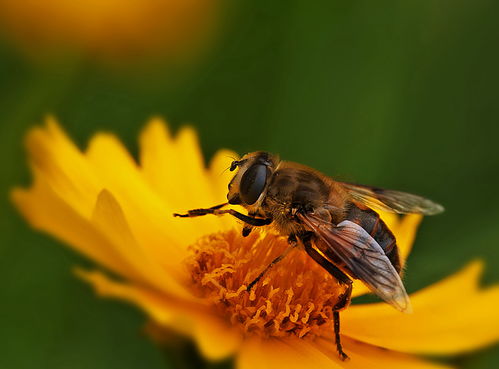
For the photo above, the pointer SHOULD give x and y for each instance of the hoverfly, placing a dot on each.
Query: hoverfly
(335, 222)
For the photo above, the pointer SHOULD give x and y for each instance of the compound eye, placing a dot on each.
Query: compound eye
(253, 183)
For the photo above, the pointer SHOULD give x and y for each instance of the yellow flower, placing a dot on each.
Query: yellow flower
(112, 29)
(190, 275)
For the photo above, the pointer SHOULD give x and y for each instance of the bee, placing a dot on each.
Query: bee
(335, 222)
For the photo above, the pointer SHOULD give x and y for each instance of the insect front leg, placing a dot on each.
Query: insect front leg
(216, 210)
(342, 278)
(200, 212)
(248, 227)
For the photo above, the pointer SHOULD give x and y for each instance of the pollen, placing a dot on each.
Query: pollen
(295, 297)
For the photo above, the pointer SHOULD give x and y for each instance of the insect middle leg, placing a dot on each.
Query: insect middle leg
(293, 242)
(342, 279)
(216, 210)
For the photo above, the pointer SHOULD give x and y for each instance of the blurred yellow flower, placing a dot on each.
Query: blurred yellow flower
(113, 29)
(190, 276)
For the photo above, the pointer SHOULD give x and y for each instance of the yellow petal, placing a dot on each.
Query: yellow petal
(109, 218)
(452, 316)
(64, 196)
(215, 338)
(219, 178)
(159, 162)
(152, 222)
(282, 353)
(63, 167)
(190, 158)
(219, 174)
(294, 353)
(405, 233)
(359, 288)
(391, 219)
(47, 212)
(363, 356)
(174, 168)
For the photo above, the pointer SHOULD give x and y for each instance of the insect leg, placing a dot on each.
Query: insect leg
(336, 322)
(247, 230)
(215, 210)
(332, 269)
(200, 212)
(293, 242)
(247, 227)
(342, 278)
(325, 263)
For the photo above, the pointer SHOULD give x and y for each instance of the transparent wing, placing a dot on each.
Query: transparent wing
(392, 201)
(363, 257)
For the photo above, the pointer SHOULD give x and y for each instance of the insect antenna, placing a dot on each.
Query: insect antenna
(230, 166)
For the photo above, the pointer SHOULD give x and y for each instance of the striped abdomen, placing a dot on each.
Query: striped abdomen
(372, 223)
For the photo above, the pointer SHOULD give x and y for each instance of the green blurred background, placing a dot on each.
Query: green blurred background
(402, 95)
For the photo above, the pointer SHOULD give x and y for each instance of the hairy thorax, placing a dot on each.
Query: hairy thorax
(294, 189)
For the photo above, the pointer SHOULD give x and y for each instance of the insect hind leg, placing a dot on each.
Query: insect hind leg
(344, 298)
(342, 278)
(337, 337)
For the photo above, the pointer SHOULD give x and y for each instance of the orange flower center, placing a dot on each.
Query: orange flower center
(294, 298)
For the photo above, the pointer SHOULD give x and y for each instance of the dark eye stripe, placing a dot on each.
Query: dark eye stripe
(253, 183)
